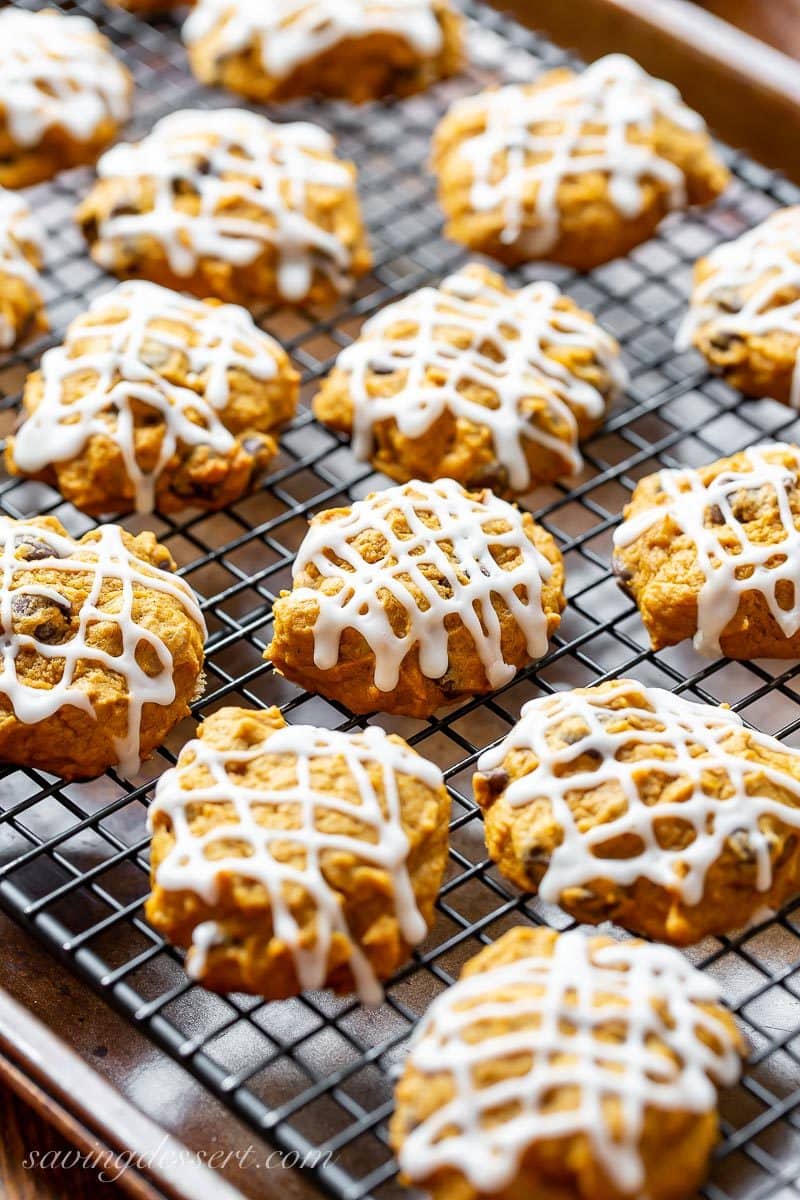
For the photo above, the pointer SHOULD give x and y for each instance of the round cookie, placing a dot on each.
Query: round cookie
(227, 204)
(476, 382)
(744, 315)
(563, 1067)
(625, 803)
(103, 647)
(155, 401)
(21, 252)
(291, 858)
(359, 50)
(577, 169)
(63, 94)
(712, 553)
(417, 597)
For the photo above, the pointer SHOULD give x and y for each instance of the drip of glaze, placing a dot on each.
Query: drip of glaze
(767, 256)
(291, 32)
(521, 370)
(17, 230)
(698, 736)
(110, 562)
(556, 128)
(729, 573)
(227, 338)
(225, 156)
(57, 72)
(189, 866)
(567, 1002)
(471, 577)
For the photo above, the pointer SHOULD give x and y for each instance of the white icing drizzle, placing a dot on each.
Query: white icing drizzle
(57, 72)
(650, 992)
(768, 256)
(558, 126)
(698, 737)
(748, 566)
(523, 373)
(230, 155)
(226, 338)
(188, 866)
(290, 32)
(106, 560)
(17, 230)
(472, 578)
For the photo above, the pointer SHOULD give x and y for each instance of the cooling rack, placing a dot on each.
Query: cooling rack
(314, 1075)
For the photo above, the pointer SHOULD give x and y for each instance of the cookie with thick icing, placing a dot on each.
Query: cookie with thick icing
(474, 381)
(155, 400)
(225, 203)
(289, 858)
(358, 50)
(21, 253)
(575, 168)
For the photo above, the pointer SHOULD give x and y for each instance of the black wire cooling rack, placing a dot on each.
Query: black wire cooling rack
(315, 1074)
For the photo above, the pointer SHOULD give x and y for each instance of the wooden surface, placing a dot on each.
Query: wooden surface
(774, 21)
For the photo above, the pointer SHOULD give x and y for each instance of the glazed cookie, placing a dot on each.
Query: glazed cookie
(474, 381)
(63, 94)
(417, 597)
(21, 251)
(712, 554)
(359, 50)
(744, 316)
(563, 1067)
(290, 858)
(630, 804)
(155, 401)
(102, 647)
(225, 203)
(577, 169)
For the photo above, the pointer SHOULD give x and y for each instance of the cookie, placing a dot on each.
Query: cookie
(63, 94)
(711, 554)
(417, 597)
(103, 647)
(358, 51)
(744, 315)
(290, 858)
(155, 401)
(21, 253)
(476, 382)
(577, 169)
(625, 803)
(227, 204)
(561, 1067)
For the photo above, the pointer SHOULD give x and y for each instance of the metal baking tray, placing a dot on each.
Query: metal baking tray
(315, 1075)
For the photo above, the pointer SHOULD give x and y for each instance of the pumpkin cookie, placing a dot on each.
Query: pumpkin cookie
(227, 204)
(476, 382)
(155, 401)
(563, 1067)
(359, 51)
(577, 169)
(630, 804)
(290, 858)
(21, 251)
(417, 597)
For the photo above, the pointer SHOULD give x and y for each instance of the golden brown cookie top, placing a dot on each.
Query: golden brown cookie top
(143, 347)
(58, 72)
(642, 784)
(288, 33)
(401, 564)
(739, 518)
(279, 805)
(21, 250)
(484, 352)
(549, 1036)
(65, 603)
(223, 185)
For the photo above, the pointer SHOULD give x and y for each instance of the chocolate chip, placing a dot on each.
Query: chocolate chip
(715, 515)
(535, 856)
(124, 210)
(496, 781)
(728, 300)
(182, 187)
(740, 844)
(623, 575)
(724, 341)
(32, 549)
(41, 617)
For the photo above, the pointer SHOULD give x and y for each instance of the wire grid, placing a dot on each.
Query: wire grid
(315, 1074)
